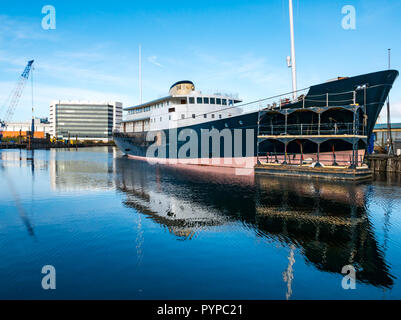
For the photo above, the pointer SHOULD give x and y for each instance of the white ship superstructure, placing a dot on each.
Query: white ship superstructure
(181, 108)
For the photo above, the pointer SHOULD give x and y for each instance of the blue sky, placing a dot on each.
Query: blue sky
(230, 46)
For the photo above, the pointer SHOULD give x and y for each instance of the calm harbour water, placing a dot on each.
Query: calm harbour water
(116, 228)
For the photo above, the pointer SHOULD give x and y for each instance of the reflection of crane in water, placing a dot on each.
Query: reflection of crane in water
(21, 210)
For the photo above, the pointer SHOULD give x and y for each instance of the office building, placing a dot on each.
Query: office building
(85, 120)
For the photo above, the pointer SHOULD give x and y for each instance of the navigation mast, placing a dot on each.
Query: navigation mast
(291, 61)
(390, 150)
(140, 74)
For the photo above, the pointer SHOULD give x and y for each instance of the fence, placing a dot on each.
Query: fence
(312, 129)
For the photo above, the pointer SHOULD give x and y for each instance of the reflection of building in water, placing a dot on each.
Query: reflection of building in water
(72, 170)
(325, 222)
(23, 158)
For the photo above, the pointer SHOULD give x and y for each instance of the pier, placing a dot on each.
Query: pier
(45, 144)
(384, 163)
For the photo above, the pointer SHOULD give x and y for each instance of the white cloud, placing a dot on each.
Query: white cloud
(395, 112)
(153, 60)
(19, 29)
(252, 76)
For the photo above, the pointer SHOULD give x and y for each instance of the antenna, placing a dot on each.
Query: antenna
(293, 63)
(140, 74)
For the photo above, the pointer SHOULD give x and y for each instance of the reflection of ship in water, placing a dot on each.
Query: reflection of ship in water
(326, 222)
(165, 203)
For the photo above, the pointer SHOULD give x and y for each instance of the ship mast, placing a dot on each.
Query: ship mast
(293, 62)
(140, 74)
(390, 150)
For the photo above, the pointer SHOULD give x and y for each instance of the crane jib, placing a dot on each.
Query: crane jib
(15, 96)
(28, 67)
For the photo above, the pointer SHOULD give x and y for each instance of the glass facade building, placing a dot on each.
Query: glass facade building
(85, 120)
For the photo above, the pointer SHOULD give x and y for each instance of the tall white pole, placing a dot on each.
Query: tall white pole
(389, 133)
(140, 74)
(293, 63)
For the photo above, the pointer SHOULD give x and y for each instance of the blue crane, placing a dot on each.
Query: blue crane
(13, 100)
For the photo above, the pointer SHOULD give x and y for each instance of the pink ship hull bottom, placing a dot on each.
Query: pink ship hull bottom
(245, 165)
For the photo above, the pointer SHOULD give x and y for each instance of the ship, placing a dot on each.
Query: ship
(326, 124)
(189, 127)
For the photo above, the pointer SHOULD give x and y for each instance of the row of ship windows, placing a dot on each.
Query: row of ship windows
(206, 100)
(205, 116)
(191, 100)
(148, 108)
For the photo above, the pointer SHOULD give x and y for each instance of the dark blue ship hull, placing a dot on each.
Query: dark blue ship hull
(369, 90)
(136, 144)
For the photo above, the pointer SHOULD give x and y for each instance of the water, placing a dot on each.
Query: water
(116, 228)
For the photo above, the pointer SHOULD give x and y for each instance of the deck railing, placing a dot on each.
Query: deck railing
(311, 129)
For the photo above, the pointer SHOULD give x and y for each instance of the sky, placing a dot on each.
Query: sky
(238, 47)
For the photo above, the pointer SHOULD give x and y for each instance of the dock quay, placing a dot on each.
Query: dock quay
(12, 146)
(49, 145)
(384, 163)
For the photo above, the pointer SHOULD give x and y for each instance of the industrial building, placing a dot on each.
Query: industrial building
(85, 120)
(381, 132)
(21, 129)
